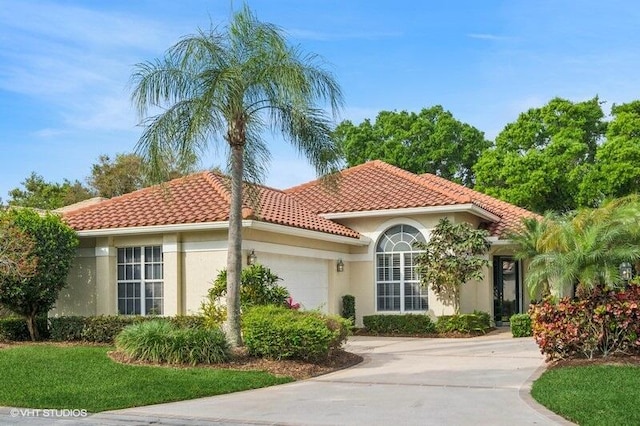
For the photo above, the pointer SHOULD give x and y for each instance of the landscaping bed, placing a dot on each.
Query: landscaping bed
(295, 369)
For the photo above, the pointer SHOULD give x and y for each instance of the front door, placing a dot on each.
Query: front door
(506, 288)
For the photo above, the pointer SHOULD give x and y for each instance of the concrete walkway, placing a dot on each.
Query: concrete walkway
(403, 381)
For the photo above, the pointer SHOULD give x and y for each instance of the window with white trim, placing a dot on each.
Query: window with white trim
(397, 286)
(140, 285)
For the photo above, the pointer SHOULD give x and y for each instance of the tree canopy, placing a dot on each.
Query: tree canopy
(615, 172)
(51, 252)
(431, 141)
(232, 84)
(39, 194)
(539, 161)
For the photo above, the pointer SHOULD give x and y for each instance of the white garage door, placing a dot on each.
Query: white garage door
(306, 279)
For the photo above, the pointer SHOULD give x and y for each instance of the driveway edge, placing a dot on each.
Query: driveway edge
(525, 395)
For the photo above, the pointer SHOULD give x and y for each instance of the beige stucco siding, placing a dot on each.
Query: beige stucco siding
(79, 296)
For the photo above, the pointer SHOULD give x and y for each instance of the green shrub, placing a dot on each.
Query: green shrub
(520, 325)
(604, 323)
(164, 342)
(15, 328)
(463, 323)
(484, 318)
(188, 321)
(67, 328)
(105, 328)
(349, 307)
(399, 324)
(258, 287)
(280, 333)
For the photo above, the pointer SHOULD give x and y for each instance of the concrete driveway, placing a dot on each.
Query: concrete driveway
(402, 381)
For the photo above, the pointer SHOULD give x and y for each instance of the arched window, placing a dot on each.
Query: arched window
(397, 285)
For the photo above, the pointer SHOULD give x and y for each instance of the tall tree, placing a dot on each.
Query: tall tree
(110, 178)
(53, 251)
(232, 85)
(615, 172)
(128, 172)
(539, 160)
(39, 194)
(431, 141)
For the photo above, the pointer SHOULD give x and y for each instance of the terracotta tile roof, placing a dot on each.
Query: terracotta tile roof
(198, 198)
(511, 215)
(374, 185)
(377, 185)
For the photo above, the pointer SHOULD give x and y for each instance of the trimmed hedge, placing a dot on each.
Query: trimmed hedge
(15, 328)
(280, 333)
(165, 342)
(67, 328)
(477, 322)
(520, 325)
(399, 324)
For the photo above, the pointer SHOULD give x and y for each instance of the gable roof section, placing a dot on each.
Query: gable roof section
(198, 198)
(511, 215)
(376, 185)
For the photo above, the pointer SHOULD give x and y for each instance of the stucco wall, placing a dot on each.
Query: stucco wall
(308, 267)
(79, 296)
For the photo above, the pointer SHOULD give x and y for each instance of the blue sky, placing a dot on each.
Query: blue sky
(65, 66)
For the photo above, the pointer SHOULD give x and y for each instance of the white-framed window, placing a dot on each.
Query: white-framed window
(397, 286)
(139, 280)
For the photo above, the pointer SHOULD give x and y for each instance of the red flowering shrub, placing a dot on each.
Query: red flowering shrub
(601, 324)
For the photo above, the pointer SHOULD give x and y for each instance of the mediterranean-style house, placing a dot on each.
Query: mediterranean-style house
(157, 250)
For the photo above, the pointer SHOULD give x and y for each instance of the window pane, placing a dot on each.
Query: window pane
(136, 254)
(136, 307)
(121, 307)
(120, 255)
(148, 254)
(157, 272)
(158, 289)
(128, 272)
(136, 272)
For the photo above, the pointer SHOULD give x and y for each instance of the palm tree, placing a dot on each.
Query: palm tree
(233, 85)
(584, 247)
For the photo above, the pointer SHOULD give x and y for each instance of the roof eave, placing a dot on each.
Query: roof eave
(452, 208)
(222, 225)
(306, 233)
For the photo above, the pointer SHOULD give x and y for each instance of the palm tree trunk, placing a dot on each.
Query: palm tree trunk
(234, 251)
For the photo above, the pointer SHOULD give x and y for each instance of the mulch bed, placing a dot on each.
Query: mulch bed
(298, 370)
(633, 360)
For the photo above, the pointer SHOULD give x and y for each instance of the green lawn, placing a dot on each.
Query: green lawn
(592, 395)
(83, 377)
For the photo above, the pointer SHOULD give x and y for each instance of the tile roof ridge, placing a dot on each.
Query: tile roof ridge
(340, 173)
(218, 182)
(415, 178)
(482, 197)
